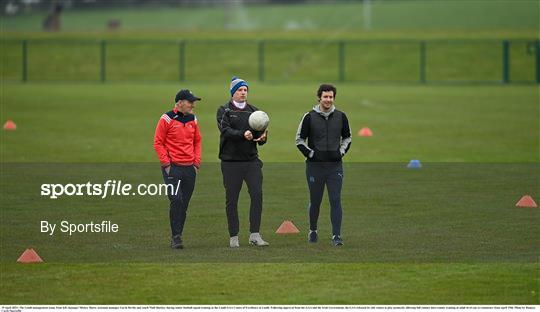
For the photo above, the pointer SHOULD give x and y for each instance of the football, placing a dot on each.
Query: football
(258, 120)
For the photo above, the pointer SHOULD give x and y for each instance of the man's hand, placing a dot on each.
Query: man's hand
(167, 169)
(262, 137)
(248, 135)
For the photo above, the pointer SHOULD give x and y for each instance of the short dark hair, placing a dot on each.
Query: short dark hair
(325, 88)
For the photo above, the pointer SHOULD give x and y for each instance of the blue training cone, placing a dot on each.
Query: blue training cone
(415, 164)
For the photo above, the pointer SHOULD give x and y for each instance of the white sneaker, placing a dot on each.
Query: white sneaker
(233, 242)
(255, 239)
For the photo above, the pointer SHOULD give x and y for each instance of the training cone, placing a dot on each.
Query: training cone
(287, 227)
(414, 164)
(29, 256)
(365, 132)
(526, 202)
(10, 125)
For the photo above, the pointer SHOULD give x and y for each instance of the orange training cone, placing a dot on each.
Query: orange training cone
(365, 132)
(10, 125)
(526, 202)
(287, 227)
(29, 256)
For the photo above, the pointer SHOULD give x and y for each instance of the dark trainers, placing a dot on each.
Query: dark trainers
(312, 236)
(337, 241)
(176, 242)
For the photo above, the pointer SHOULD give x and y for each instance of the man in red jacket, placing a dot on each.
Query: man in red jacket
(178, 145)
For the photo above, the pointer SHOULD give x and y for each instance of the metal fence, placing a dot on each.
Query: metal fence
(385, 61)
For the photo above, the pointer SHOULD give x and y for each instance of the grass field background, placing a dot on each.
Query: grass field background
(455, 218)
(446, 213)
(448, 233)
(433, 124)
(359, 283)
(291, 60)
(499, 15)
(74, 54)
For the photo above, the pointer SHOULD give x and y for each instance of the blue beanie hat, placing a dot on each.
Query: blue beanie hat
(237, 83)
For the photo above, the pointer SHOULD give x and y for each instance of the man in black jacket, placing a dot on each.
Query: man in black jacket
(240, 161)
(323, 137)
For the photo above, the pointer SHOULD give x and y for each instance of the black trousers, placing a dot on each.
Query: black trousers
(318, 175)
(234, 174)
(185, 175)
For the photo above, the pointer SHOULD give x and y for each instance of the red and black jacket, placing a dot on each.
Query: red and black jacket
(177, 139)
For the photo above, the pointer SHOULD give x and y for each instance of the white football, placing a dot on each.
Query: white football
(258, 120)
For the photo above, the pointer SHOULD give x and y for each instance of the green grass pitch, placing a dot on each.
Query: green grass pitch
(448, 233)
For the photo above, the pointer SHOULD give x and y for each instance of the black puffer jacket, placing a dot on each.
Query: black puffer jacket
(232, 124)
(328, 135)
